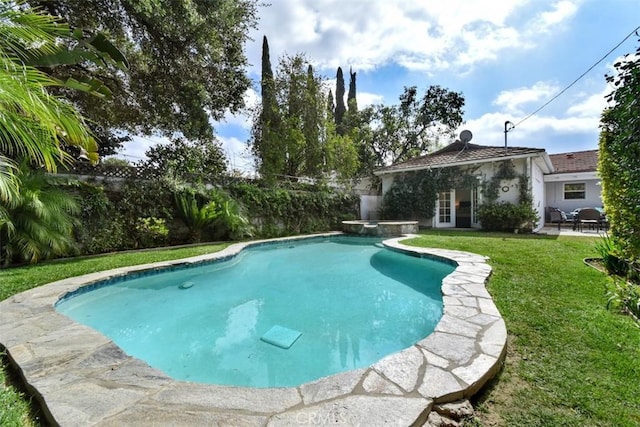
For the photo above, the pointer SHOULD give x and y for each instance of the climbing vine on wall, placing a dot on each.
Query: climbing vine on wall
(505, 216)
(413, 194)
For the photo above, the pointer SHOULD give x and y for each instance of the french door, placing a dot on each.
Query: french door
(446, 209)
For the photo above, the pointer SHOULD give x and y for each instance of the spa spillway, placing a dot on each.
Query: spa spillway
(380, 228)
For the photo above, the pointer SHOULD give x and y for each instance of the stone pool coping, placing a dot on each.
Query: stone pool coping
(82, 378)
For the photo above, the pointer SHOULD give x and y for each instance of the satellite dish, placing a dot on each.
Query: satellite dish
(466, 136)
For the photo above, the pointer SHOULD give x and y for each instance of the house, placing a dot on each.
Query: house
(574, 182)
(560, 180)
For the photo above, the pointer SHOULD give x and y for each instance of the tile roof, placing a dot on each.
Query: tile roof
(456, 153)
(579, 161)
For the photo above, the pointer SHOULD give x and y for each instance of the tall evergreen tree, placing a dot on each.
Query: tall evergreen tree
(340, 107)
(266, 128)
(311, 125)
(352, 105)
(331, 106)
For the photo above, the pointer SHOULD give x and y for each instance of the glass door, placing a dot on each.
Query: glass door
(446, 214)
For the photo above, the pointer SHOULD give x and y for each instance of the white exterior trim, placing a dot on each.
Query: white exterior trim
(573, 176)
(544, 156)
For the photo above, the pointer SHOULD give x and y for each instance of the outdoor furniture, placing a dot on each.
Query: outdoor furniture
(590, 217)
(556, 215)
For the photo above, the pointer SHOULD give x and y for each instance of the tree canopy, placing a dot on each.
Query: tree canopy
(35, 126)
(186, 160)
(186, 64)
(399, 132)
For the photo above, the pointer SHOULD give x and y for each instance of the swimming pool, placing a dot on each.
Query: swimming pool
(348, 302)
(80, 377)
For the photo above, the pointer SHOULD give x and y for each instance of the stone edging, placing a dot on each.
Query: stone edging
(82, 378)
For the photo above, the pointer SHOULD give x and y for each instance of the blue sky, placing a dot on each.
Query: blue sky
(507, 58)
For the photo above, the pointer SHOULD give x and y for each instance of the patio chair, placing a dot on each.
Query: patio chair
(556, 215)
(591, 217)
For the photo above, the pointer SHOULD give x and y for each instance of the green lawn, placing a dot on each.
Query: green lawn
(15, 408)
(570, 361)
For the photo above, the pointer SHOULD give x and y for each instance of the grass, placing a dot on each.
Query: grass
(570, 361)
(16, 408)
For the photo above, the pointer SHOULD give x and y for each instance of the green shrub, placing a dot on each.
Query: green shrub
(623, 294)
(612, 257)
(505, 216)
(619, 155)
(232, 222)
(151, 232)
(38, 222)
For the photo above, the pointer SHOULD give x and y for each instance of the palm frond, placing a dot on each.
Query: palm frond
(39, 223)
(8, 180)
(25, 33)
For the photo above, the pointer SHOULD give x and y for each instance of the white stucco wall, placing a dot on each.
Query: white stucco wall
(538, 192)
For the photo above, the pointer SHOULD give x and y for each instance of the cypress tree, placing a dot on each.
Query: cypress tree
(331, 107)
(311, 125)
(340, 108)
(352, 105)
(265, 134)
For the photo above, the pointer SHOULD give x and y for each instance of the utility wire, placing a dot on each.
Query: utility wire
(635, 31)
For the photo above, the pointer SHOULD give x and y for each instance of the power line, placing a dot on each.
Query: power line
(635, 31)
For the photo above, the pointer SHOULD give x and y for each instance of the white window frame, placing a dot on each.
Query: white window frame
(583, 191)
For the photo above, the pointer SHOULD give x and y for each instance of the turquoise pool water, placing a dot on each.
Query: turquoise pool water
(352, 301)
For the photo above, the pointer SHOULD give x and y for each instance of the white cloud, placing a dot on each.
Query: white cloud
(365, 99)
(590, 105)
(512, 100)
(134, 150)
(417, 35)
(538, 131)
(237, 154)
(561, 12)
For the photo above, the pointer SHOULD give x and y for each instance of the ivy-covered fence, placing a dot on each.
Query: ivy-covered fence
(140, 213)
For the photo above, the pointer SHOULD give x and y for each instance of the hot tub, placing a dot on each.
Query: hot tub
(380, 228)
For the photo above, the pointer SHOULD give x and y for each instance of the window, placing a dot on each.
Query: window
(444, 211)
(574, 191)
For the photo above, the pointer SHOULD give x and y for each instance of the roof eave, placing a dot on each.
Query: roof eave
(465, 163)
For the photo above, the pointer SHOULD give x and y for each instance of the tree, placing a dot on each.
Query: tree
(619, 156)
(340, 108)
(187, 63)
(352, 104)
(293, 93)
(400, 132)
(35, 126)
(312, 124)
(186, 160)
(294, 133)
(267, 123)
(286, 135)
(331, 106)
